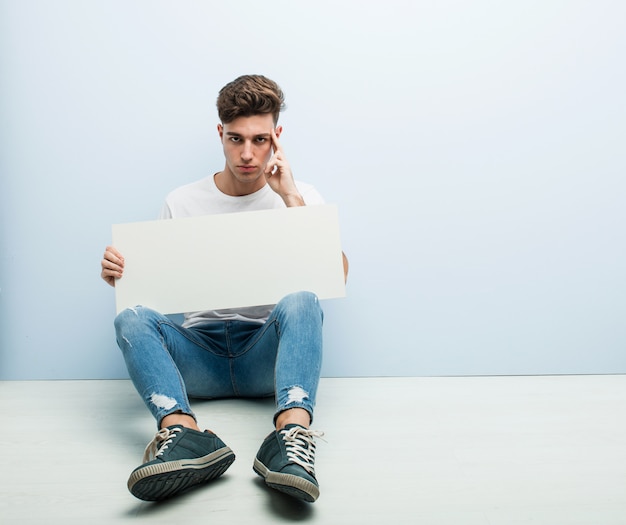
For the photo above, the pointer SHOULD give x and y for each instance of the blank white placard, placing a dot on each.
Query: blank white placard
(229, 260)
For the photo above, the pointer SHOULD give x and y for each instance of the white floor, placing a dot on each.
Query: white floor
(432, 451)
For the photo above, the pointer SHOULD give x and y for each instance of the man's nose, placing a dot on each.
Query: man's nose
(246, 151)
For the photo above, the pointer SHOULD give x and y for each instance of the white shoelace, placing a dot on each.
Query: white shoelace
(300, 445)
(159, 443)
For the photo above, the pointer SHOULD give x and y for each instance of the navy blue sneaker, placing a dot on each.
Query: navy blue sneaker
(177, 459)
(286, 462)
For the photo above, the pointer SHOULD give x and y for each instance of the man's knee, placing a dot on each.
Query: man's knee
(300, 303)
(299, 300)
(132, 317)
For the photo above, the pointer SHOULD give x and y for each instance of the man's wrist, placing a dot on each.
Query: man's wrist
(293, 200)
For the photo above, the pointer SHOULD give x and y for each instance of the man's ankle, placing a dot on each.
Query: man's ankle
(183, 420)
(298, 416)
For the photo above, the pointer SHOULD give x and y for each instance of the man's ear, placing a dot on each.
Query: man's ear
(278, 130)
(220, 130)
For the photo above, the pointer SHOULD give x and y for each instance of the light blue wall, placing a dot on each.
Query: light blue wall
(477, 151)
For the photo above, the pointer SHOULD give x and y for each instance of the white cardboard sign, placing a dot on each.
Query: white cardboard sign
(229, 260)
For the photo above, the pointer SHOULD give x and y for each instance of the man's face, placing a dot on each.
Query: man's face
(247, 146)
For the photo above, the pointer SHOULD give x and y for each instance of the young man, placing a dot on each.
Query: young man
(246, 352)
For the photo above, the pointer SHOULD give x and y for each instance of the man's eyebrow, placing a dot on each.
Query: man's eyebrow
(259, 135)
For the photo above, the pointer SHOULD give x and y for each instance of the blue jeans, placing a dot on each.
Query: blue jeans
(219, 359)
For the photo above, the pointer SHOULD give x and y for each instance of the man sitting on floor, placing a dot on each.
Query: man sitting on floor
(245, 352)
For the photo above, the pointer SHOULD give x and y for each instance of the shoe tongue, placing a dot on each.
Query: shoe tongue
(290, 426)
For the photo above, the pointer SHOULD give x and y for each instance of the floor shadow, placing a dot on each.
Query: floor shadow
(284, 506)
(265, 403)
(148, 508)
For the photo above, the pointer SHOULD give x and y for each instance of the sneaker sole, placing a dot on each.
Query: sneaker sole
(294, 486)
(164, 480)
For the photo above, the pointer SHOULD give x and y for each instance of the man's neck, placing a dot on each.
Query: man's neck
(227, 184)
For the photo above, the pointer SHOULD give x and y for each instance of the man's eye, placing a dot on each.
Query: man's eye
(235, 139)
(261, 139)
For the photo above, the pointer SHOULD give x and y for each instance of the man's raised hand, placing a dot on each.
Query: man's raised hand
(279, 176)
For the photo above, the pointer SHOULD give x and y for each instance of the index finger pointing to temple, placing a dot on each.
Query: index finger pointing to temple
(275, 142)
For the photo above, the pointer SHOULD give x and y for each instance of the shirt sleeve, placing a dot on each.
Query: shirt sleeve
(310, 195)
(166, 213)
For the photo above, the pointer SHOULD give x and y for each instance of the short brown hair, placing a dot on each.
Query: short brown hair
(249, 95)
